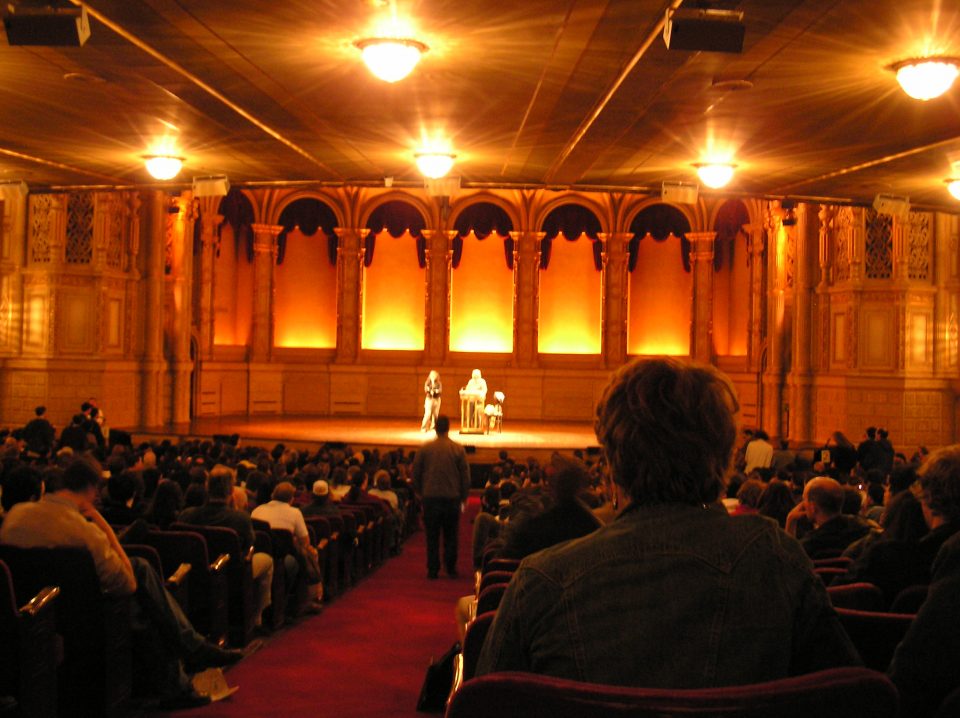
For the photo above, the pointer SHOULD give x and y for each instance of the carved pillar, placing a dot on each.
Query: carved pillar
(152, 227)
(437, 274)
(773, 376)
(756, 245)
(526, 264)
(800, 379)
(203, 304)
(701, 264)
(181, 273)
(615, 296)
(945, 265)
(264, 262)
(13, 244)
(350, 252)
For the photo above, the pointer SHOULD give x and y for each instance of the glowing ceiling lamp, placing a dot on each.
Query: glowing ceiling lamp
(925, 78)
(434, 164)
(163, 167)
(953, 187)
(390, 58)
(715, 174)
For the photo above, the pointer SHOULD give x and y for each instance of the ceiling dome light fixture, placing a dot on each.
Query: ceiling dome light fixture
(163, 167)
(390, 58)
(434, 164)
(953, 187)
(715, 174)
(924, 78)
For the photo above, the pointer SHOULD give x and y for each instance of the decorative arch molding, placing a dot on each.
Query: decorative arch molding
(666, 220)
(371, 206)
(311, 215)
(577, 198)
(693, 213)
(331, 199)
(464, 203)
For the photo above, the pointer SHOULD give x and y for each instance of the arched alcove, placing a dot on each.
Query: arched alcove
(731, 280)
(233, 271)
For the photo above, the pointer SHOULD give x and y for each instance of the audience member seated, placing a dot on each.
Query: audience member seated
(165, 506)
(320, 503)
(833, 530)
(776, 502)
(667, 594)
(39, 434)
(20, 484)
(121, 506)
(67, 518)
(217, 512)
(748, 497)
(940, 497)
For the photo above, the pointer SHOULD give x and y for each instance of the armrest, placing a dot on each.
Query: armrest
(322, 543)
(221, 561)
(249, 557)
(39, 602)
(180, 575)
(370, 525)
(335, 536)
(472, 612)
(457, 676)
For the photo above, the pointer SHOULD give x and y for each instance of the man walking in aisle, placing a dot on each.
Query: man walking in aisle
(441, 476)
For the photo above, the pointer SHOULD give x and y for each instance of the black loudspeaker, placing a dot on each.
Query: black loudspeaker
(53, 27)
(704, 30)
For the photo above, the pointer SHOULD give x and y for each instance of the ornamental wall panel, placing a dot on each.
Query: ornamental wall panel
(877, 339)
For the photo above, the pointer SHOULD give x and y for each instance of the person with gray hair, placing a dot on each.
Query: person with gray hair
(673, 593)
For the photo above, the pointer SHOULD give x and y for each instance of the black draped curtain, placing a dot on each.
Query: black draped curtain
(571, 220)
(484, 219)
(729, 223)
(659, 221)
(237, 211)
(308, 215)
(396, 217)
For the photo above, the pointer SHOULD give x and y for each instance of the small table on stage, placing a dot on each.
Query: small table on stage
(472, 418)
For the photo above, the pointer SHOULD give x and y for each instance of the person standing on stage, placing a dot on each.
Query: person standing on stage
(431, 402)
(441, 477)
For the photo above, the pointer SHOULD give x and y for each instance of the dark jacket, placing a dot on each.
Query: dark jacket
(561, 522)
(219, 514)
(670, 596)
(834, 536)
(441, 471)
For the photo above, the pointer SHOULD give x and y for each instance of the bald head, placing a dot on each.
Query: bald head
(823, 499)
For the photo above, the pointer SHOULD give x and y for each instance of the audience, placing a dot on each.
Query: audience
(822, 506)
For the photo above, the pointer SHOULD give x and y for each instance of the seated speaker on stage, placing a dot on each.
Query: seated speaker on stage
(472, 399)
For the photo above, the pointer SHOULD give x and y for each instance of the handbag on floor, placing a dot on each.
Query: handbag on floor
(438, 682)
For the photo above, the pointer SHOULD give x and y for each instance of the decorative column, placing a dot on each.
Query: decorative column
(701, 263)
(945, 266)
(773, 376)
(264, 261)
(437, 275)
(152, 226)
(756, 246)
(800, 379)
(13, 244)
(181, 271)
(526, 264)
(350, 253)
(203, 302)
(615, 296)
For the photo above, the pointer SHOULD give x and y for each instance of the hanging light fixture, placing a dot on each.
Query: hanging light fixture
(163, 167)
(924, 78)
(953, 187)
(390, 58)
(434, 164)
(715, 174)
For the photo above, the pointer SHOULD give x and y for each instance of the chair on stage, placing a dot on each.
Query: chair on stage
(494, 413)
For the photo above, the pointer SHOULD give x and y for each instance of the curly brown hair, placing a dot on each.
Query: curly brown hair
(667, 429)
(940, 482)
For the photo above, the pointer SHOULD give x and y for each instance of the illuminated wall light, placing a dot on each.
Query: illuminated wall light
(390, 58)
(434, 164)
(953, 187)
(715, 174)
(163, 167)
(927, 77)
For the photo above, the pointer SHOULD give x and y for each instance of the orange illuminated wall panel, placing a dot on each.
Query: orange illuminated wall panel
(232, 292)
(731, 299)
(393, 296)
(481, 307)
(661, 296)
(305, 295)
(570, 299)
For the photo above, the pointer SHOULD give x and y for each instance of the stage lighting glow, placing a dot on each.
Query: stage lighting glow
(305, 295)
(570, 300)
(393, 291)
(661, 298)
(481, 301)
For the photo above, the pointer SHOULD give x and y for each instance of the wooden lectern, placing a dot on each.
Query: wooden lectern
(472, 418)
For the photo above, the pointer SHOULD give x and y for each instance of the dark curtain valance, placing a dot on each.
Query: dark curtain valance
(396, 217)
(237, 211)
(659, 221)
(484, 219)
(308, 215)
(571, 220)
(729, 223)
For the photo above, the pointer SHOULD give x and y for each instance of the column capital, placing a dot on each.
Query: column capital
(526, 234)
(701, 246)
(344, 232)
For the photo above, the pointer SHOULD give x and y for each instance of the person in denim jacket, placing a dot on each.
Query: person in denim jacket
(674, 593)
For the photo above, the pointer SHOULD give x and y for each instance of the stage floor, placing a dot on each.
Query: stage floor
(533, 438)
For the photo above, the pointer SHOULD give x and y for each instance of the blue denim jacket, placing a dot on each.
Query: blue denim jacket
(670, 596)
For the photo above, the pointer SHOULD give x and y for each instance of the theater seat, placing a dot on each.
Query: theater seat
(827, 574)
(28, 649)
(844, 562)
(502, 564)
(910, 599)
(860, 596)
(492, 578)
(837, 693)
(489, 598)
(875, 635)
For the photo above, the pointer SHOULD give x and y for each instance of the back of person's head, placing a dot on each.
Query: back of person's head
(841, 439)
(777, 498)
(20, 484)
(883, 433)
(195, 495)
(382, 479)
(852, 500)
(750, 493)
(874, 476)
(40, 410)
(903, 519)
(81, 474)
(220, 483)
(826, 494)
(902, 478)
(507, 489)
(940, 482)
(667, 430)
(123, 487)
(875, 492)
(762, 435)
(442, 425)
(570, 475)
(78, 419)
(871, 432)
(284, 491)
(53, 478)
(784, 444)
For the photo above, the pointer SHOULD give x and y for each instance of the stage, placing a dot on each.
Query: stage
(520, 438)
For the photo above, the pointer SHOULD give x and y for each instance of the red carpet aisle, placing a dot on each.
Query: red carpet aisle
(365, 656)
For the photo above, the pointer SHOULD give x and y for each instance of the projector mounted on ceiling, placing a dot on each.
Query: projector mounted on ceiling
(46, 25)
(212, 186)
(704, 30)
(894, 205)
(680, 192)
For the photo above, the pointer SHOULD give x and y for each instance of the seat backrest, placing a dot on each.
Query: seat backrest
(861, 596)
(489, 598)
(876, 635)
(839, 562)
(502, 564)
(220, 540)
(910, 599)
(8, 601)
(176, 547)
(320, 525)
(828, 574)
(837, 693)
(473, 642)
(492, 578)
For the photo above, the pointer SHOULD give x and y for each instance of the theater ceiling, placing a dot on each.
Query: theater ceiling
(527, 92)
